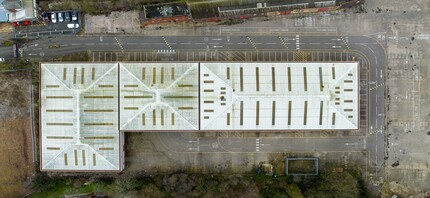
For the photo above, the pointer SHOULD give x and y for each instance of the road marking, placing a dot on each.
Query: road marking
(283, 41)
(186, 43)
(165, 41)
(250, 41)
(242, 43)
(89, 43)
(131, 43)
(329, 43)
(314, 43)
(103, 44)
(213, 43)
(199, 43)
(271, 43)
(228, 43)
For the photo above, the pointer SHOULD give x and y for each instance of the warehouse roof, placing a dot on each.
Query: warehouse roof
(84, 106)
(159, 96)
(287, 96)
(79, 116)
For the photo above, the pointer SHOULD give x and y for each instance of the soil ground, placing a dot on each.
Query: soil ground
(16, 150)
(301, 166)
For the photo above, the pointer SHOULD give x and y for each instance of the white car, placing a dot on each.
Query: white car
(2, 60)
(60, 17)
(53, 17)
(74, 16)
(72, 25)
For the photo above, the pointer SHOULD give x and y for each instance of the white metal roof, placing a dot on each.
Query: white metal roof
(85, 105)
(278, 96)
(159, 96)
(79, 116)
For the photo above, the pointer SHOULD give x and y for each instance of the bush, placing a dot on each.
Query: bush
(88, 8)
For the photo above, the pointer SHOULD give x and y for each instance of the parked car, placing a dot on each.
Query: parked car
(60, 17)
(72, 25)
(2, 59)
(53, 17)
(74, 16)
(67, 16)
(15, 24)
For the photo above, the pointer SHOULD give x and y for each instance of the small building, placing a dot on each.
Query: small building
(20, 10)
(3, 13)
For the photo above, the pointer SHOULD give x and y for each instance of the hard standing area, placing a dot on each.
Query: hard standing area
(84, 106)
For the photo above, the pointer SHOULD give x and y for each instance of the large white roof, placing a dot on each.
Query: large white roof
(84, 106)
(79, 116)
(278, 96)
(159, 96)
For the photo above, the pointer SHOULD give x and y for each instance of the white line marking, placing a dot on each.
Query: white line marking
(314, 43)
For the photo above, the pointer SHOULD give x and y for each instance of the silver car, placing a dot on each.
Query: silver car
(60, 17)
(53, 17)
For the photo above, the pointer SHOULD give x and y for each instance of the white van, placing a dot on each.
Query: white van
(72, 25)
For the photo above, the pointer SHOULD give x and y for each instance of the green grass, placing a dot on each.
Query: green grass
(58, 187)
(7, 43)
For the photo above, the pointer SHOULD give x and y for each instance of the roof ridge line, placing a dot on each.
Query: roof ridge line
(342, 114)
(101, 156)
(132, 75)
(50, 161)
(180, 115)
(100, 78)
(135, 115)
(182, 76)
(340, 78)
(55, 77)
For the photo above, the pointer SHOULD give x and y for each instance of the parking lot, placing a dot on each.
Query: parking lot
(49, 28)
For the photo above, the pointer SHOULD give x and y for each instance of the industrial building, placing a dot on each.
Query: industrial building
(86, 107)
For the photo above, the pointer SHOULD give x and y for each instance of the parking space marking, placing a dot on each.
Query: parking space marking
(119, 44)
(167, 43)
(257, 144)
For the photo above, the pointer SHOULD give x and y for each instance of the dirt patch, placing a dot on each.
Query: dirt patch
(16, 150)
(5, 27)
(15, 98)
(301, 166)
(116, 22)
